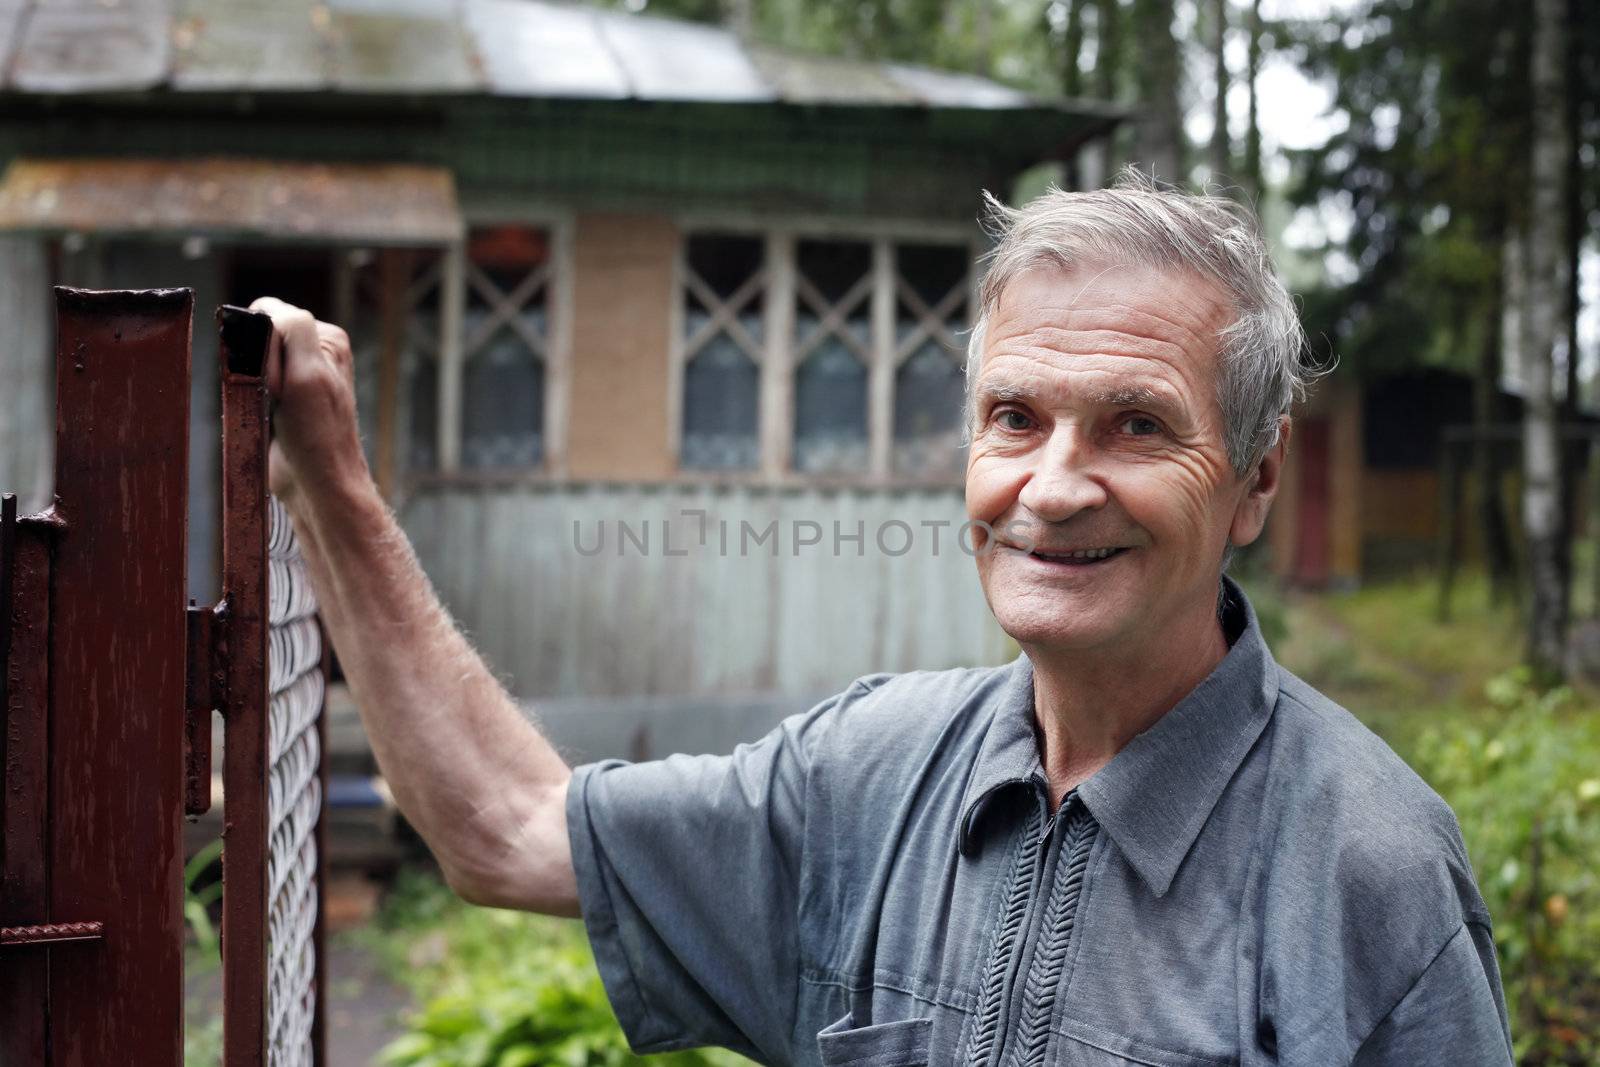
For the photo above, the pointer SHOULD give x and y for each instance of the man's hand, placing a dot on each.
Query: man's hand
(469, 771)
(316, 444)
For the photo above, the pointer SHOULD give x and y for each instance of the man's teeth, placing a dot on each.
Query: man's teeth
(1088, 553)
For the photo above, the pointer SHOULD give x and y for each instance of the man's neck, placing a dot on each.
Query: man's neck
(1088, 704)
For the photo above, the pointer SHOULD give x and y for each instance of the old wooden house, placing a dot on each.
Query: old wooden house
(659, 332)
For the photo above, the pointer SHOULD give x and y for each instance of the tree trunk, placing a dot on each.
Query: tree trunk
(1252, 137)
(1108, 48)
(1072, 50)
(1541, 320)
(1160, 146)
(1575, 453)
(1494, 528)
(1220, 159)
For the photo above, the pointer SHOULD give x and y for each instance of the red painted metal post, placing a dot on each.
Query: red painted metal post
(116, 675)
(245, 743)
(274, 777)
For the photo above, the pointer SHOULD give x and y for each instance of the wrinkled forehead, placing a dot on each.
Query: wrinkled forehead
(1110, 316)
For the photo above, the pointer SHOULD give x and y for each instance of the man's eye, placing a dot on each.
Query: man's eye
(1012, 419)
(1141, 425)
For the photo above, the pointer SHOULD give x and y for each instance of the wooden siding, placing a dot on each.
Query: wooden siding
(805, 619)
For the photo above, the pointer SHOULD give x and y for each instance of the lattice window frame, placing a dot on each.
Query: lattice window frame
(453, 276)
(722, 319)
(780, 354)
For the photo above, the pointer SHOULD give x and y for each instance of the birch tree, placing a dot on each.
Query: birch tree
(1541, 325)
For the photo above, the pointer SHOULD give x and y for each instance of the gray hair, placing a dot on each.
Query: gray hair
(1136, 222)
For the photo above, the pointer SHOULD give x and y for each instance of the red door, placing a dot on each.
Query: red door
(1312, 537)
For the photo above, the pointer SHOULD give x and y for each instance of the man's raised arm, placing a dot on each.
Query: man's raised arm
(471, 773)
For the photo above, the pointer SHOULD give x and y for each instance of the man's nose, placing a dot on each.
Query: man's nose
(1064, 479)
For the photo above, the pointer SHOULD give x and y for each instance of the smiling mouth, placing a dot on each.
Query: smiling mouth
(1085, 557)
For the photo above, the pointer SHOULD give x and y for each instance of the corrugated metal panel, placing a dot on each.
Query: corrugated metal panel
(74, 46)
(730, 615)
(395, 45)
(667, 60)
(938, 88)
(535, 49)
(246, 44)
(333, 202)
(812, 79)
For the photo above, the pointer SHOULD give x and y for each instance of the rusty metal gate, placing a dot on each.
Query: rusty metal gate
(108, 688)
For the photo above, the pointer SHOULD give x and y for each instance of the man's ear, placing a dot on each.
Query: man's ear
(1250, 517)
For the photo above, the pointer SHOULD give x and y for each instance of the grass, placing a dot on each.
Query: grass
(1382, 652)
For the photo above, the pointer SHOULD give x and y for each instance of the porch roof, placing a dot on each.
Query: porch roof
(264, 200)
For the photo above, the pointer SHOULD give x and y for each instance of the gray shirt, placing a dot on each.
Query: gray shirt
(1255, 879)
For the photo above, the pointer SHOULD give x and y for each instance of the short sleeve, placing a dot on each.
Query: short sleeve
(1454, 1013)
(689, 872)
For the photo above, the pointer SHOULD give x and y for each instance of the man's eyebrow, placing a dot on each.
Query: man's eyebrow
(1130, 396)
(1001, 393)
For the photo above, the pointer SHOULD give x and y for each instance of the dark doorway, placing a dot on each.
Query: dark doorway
(301, 276)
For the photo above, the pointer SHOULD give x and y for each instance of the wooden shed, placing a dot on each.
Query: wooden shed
(613, 280)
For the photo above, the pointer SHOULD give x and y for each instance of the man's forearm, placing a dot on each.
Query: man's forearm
(469, 771)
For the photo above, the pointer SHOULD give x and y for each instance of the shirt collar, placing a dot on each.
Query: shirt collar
(1154, 795)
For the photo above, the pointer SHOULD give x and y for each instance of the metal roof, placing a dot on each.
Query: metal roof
(505, 48)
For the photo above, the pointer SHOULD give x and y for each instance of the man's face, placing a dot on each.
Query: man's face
(1098, 427)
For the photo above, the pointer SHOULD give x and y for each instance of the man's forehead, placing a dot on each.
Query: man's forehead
(1160, 300)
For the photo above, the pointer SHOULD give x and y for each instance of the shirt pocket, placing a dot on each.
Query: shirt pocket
(903, 1043)
(1081, 1045)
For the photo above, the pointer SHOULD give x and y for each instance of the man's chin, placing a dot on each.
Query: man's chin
(1081, 631)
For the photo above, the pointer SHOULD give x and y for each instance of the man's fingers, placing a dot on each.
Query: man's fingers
(294, 337)
(336, 344)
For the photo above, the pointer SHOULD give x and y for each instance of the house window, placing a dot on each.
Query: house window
(395, 289)
(505, 347)
(849, 347)
(832, 351)
(932, 292)
(723, 284)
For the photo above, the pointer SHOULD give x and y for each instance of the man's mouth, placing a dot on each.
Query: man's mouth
(1081, 557)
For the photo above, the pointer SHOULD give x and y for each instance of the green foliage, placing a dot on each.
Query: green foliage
(1430, 167)
(1526, 790)
(199, 896)
(501, 989)
(202, 889)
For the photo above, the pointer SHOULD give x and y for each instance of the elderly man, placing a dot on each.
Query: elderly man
(1141, 842)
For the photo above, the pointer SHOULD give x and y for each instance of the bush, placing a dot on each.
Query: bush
(1526, 790)
(501, 989)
